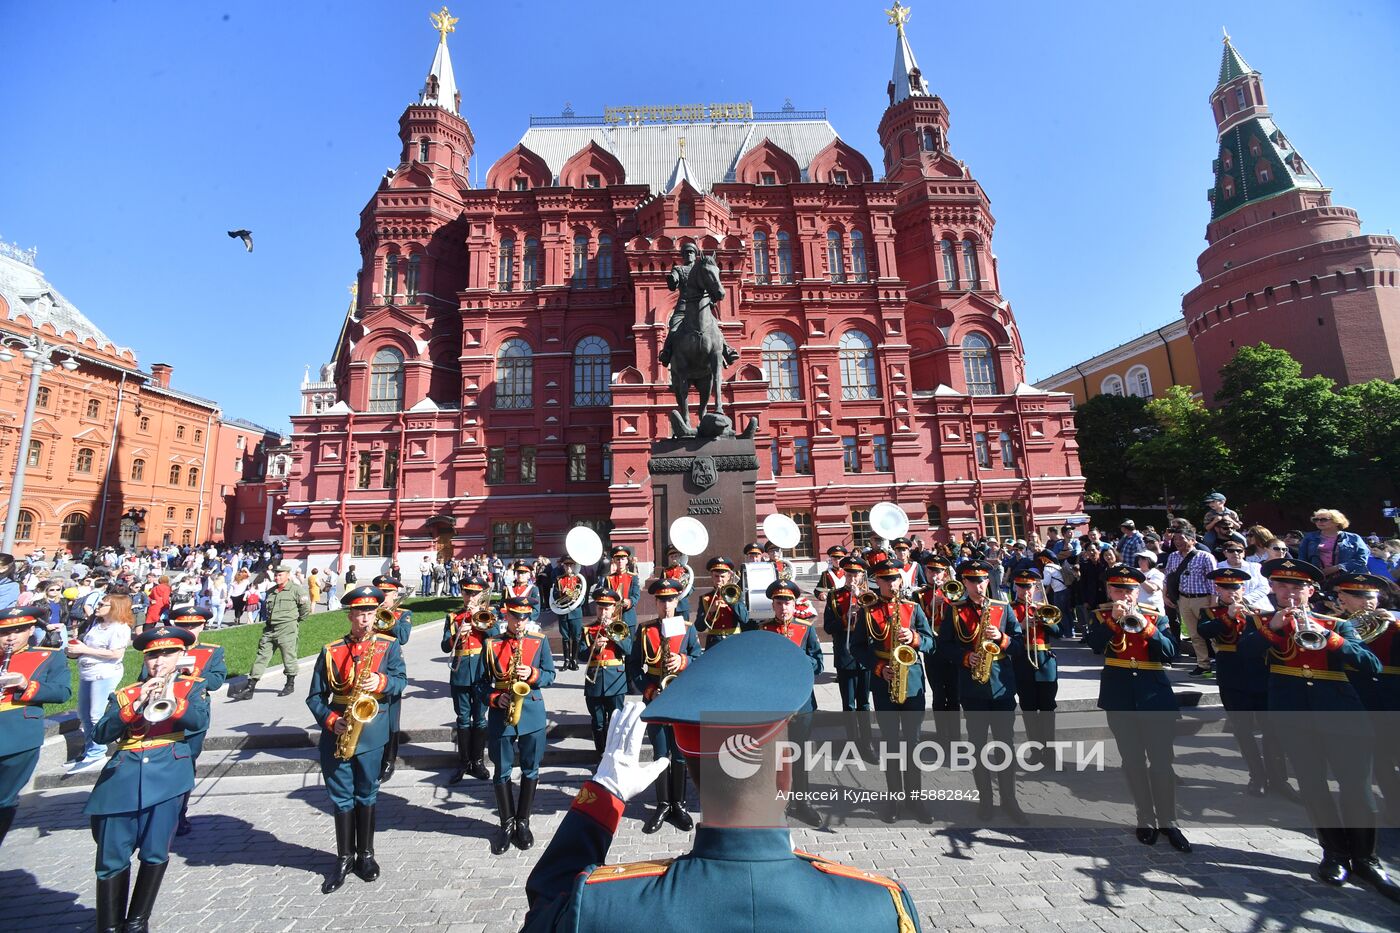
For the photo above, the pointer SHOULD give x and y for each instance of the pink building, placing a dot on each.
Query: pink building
(1285, 266)
(496, 379)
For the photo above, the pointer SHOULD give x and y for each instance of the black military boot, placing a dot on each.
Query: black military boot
(7, 819)
(1366, 868)
(478, 763)
(982, 778)
(1334, 868)
(889, 813)
(914, 805)
(365, 865)
(289, 687)
(663, 803)
(464, 756)
(244, 692)
(570, 661)
(865, 740)
(391, 757)
(344, 851)
(600, 741)
(505, 809)
(143, 897)
(522, 837)
(1006, 785)
(111, 902)
(677, 815)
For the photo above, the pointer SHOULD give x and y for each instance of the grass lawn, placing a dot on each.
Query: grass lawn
(241, 642)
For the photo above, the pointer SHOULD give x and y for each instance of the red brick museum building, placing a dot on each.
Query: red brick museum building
(496, 380)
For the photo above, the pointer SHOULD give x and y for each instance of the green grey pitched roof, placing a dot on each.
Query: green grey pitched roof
(1232, 64)
(1286, 169)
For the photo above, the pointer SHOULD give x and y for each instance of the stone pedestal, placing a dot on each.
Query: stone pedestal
(711, 480)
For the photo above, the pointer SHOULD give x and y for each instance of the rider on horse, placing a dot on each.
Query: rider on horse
(692, 290)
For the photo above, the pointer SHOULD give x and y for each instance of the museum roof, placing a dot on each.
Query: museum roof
(27, 293)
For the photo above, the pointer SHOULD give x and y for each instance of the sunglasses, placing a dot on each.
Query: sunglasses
(1321, 518)
(1234, 550)
(1278, 548)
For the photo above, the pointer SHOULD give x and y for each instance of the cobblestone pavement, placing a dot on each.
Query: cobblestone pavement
(261, 845)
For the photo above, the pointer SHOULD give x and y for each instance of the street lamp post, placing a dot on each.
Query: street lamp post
(40, 356)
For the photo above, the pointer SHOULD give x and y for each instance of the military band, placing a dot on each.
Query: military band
(352, 685)
(398, 623)
(661, 651)
(622, 580)
(29, 678)
(135, 806)
(833, 575)
(677, 569)
(911, 575)
(518, 664)
(1037, 674)
(783, 594)
(607, 641)
(940, 668)
(844, 613)
(723, 611)
(524, 588)
(568, 586)
(464, 635)
(1358, 596)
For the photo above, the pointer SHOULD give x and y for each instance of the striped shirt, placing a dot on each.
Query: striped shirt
(1193, 577)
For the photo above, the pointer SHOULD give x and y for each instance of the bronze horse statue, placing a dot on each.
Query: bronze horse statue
(697, 349)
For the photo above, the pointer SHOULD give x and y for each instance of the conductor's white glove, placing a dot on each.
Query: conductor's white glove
(621, 771)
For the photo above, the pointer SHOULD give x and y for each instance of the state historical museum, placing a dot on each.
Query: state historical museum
(496, 379)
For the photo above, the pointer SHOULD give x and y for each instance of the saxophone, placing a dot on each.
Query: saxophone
(987, 650)
(666, 678)
(361, 708)
(902, 656)
(518, 688)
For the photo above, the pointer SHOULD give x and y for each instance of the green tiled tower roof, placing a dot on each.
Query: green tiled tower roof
(1232, 64)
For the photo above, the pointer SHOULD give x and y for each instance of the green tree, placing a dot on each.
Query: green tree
(1288, 436)
(1375, 410)
(1108, 427)
(1185, 452)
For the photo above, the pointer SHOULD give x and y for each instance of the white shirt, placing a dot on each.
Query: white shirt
(1154, 599)
(1050, 576)
(1256, 588)
(114, 636)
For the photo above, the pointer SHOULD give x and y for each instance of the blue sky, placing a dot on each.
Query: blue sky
(139, 132)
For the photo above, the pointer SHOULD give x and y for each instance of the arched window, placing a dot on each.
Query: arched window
(785, 274)
(505, 278)
(24, 526)
(74, 527)
(192, 480)
(170, 512)
(1113, 385)
(780, 366)
(174, 474)
(42, 399)
(1139, 382)
(971, 273)
(835, 256)
(36, 454)
(977, 365)
(386, 380)
(423, 149)
(581, 261)
(189, 515)
(928, 139)
(605, 261)
(138, 469)
(685, 214)
(179, 432)
(186, 537)
(530, 267)
(592, 372)
(858, 366)
(391, 275)
(198, 436)
(1263, 172)
(84, 464)
(515, 375)
(94, 408)
(950, 265)
(410, 279)
(859, 269)
(760, 257)
(145, 424)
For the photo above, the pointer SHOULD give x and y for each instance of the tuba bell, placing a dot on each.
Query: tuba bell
(565, 599)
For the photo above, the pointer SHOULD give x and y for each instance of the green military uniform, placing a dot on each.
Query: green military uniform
(287, 606)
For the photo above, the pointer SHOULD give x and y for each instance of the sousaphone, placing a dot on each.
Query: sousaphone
(583, 545)
(690, 538)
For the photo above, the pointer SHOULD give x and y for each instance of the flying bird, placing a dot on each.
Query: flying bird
(245, 235)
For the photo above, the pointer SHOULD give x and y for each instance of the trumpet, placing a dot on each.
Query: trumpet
(729, 595)
(1308, 633)
(615, 630)
(869, 599)
(161, 706)
(384, 620)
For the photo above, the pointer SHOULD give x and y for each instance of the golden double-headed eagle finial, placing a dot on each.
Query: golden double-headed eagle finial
(444, 22)
(899, 15)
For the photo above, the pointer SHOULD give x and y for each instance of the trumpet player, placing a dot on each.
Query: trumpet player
(399, 629)
(722, 610)
(570, 623)
(1136, 649)
(980, 635)
(783, 594)
(1307, 656)
(833, 575)
(661, 650)
(607, 642)
(845, 612)
(676, 570)
(464, 634)
(1037, 675)
(1359, 597)
(29, 678)
(941, 669)
(623, 581)
(205, 662)
(518, 664)
(892, 641)
(1243, 680)
(352, 684)
(135, 806)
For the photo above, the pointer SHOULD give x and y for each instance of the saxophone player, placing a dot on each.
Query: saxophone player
(1307, 656)
(31, 677)
(890, 628)
(661, 650)
(571, 624)
(719, 618)
(464, 634)
(401, 630)
(844, 613)
(941, 669)
(1359, 596)
(1136, 649)
(515, 720)
(605, 679)
(783, 595)
(136, 803)
(1037, 673)
(979, 635)
(364, 662)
